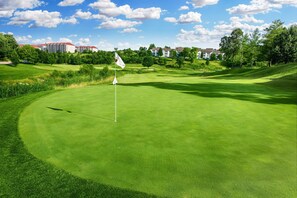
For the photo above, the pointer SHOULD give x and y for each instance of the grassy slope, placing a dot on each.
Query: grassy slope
(22, 71)
(185, 136)
(22, 175)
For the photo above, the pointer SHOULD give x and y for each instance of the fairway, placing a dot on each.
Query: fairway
(176, 135)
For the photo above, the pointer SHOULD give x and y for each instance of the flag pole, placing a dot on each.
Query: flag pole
(115, 91)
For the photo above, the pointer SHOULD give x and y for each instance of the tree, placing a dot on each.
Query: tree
(14, 57)
(151, 46)
(28, 54)
(52, 58)
(213, 57)
(193, 54)
(148, 61)
(284, 45)
(173, 54)
(276, 28)
(3, 46)
(220, 57)
(232, 47)
(180, 61)
(160, 52)
(207, 62)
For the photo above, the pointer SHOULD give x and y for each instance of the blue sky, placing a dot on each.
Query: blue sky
(134, 23)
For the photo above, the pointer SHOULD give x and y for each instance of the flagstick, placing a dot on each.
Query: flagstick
(115, 95)
(115, 91)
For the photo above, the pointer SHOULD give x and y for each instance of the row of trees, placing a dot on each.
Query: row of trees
(277, 45)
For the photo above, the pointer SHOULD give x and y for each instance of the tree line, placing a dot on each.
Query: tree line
(278, 44)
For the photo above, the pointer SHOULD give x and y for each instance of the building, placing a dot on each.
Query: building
(60, 47)
(165, 51)
(86, 48)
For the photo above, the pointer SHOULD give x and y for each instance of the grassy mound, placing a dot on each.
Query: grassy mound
(178, 136)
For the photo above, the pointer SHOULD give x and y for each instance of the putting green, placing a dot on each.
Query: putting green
(175, 136)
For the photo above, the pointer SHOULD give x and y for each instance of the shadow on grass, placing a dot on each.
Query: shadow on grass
(247, 92)
(80, 113)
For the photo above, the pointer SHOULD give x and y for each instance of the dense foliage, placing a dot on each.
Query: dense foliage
(277, 45)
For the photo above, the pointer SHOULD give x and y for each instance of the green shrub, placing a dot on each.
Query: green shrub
(148, 61)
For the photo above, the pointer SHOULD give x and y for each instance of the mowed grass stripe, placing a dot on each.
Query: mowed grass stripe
(175, 136)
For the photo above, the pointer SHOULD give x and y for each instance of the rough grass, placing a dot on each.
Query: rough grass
(177, 135)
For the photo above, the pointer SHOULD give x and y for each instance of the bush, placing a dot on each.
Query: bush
(86, 69)
(148, 61)
(207, 62)
(104, 72)
(15, 59)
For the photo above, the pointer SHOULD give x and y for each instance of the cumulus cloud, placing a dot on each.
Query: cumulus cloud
(83, 41)
(23, 39)
(130, 30)
(118, 23)
(202, 3)
(190, 17)
(7, 7)
(83, 15)
(110, 9)
(42, 40)
(200, 34)
(39, 18)
(65, 40)
(171, 19)
(246, 18)
(145, 13)
(88, 15)
(70, 2)
(184, 8)
(260, 6)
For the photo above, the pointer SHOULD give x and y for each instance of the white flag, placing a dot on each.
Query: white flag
(114, 82)
(119, 61)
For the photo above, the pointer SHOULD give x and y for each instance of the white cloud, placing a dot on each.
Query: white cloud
(83, 15)
(84, 41)
(88, 15)
(65, 40)
(105, 45)
(260, 6)
(23, 39)
(170, 19)
(118, 23)
(70, 20)
(70, 2)
(130, 30)
(145, 13)
(110, 9)
(7, 7)
(202, 3)
(190, 17)
(6, 13)
(200, 35)
(39, 18)
(42, 40)
(246, 18)
(184, 8)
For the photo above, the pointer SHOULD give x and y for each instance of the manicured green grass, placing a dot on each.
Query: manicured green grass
(176, 135)
(23, 175)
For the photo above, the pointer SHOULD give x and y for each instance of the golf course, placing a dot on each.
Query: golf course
(229, 133)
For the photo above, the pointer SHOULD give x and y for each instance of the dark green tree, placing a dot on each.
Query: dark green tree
(160, 52)
(213, 57)
(14, 58)
(148, 61)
